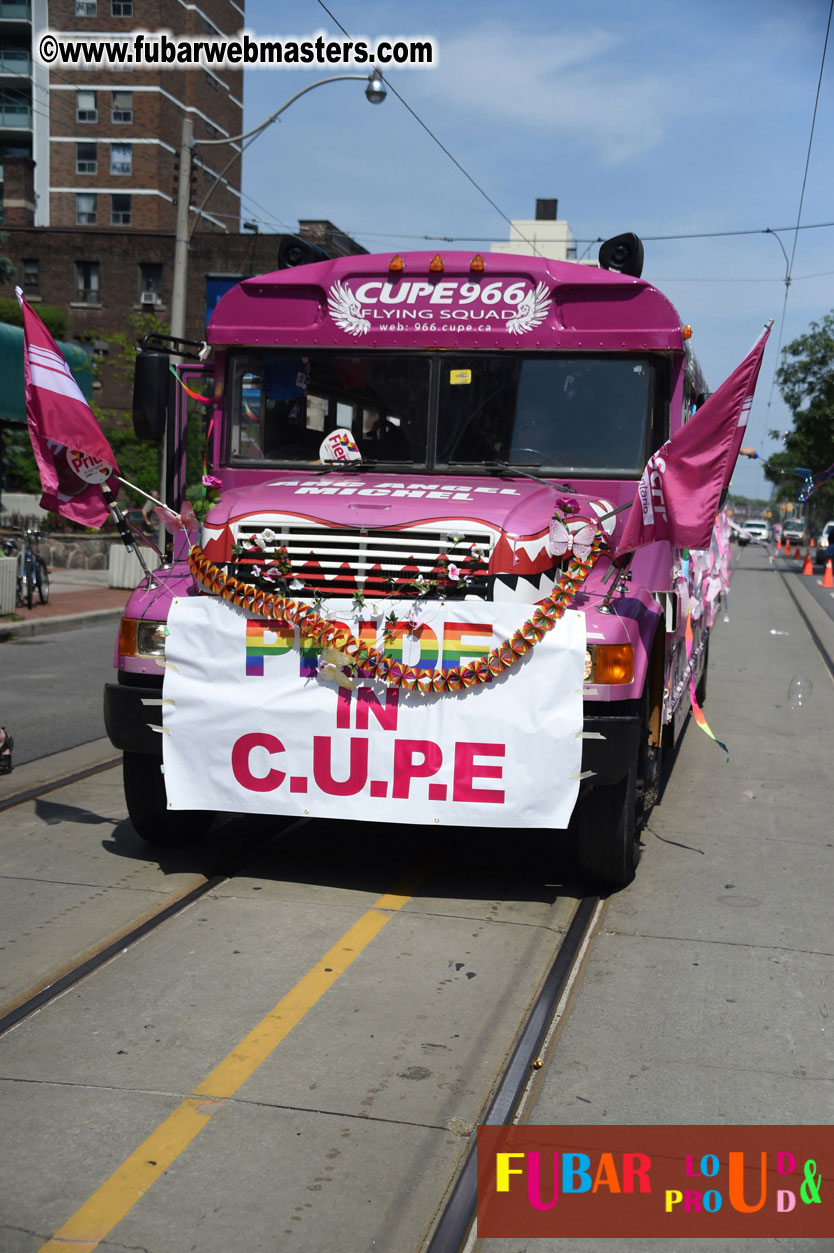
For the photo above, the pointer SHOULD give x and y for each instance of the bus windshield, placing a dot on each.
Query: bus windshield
(550, 413)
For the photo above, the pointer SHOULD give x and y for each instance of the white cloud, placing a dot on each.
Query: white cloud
(570, 85)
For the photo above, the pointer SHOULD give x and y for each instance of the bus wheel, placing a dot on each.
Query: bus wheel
(608, 847)
(147, 805)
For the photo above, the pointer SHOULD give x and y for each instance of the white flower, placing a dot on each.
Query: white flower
(268, 535)
(296, 585)
(454, 572)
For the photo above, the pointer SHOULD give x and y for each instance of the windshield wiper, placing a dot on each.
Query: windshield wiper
(508, 470)
(345, 467)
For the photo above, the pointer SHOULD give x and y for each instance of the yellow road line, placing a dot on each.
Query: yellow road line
(129, 1182)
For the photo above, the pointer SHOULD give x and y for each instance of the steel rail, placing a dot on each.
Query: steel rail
(21, 797)
(113, 946)
(459, 1212)
(828, 661)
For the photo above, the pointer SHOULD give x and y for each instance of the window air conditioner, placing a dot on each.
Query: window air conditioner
(149, 298)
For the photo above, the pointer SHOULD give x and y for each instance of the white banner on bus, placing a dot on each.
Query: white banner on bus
(253, 727)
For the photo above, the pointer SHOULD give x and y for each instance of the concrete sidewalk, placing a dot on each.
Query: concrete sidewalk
(76, 597)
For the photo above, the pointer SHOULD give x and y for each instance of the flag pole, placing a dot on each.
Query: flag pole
(124, 532)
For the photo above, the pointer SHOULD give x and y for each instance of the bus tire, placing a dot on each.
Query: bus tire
(147, 805)
(608, 845)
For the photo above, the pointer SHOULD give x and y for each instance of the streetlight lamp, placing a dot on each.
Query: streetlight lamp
(374, 92)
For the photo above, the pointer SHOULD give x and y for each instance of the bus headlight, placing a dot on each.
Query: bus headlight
(141, 637)
(609, 663)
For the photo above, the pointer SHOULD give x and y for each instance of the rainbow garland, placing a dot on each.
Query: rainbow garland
(372, 661)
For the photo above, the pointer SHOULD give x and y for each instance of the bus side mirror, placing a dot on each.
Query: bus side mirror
(623, 254)
(151, 395)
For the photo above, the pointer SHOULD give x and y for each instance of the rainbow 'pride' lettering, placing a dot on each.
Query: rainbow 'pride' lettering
(462, 642)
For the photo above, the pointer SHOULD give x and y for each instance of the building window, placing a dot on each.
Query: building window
(121, 159)
(85, 209)
(122, 106)
(121, 8)
(150, 283)
(87, 282)
(31, 277)
(86, 107)
(85, 8)
(120, 211)
(213, 81)
(86, 161)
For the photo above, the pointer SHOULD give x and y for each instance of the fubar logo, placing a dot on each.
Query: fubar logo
(655, 1181)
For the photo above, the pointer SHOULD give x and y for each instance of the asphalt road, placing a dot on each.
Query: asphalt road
(52, 689)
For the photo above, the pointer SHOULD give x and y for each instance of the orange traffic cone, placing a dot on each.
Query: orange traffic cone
(828, 577)
(798, 553)
(812, 541)
(808, 568)
(779, 544)
(787, 548)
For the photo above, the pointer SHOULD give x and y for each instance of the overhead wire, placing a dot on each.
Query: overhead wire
(434, 137)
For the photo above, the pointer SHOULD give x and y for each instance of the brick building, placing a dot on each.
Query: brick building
(104, 141)
(90, 164)
(100, 276)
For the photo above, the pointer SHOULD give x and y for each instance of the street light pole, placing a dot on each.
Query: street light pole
(178, 293)
(375, 93)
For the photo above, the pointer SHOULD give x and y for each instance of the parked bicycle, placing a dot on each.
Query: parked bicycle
(32, 570)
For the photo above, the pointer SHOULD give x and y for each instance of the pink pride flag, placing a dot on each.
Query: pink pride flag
(74, 459)
(680, 489)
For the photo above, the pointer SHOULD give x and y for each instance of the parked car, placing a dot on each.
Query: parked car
(826, 536)
(754, 528)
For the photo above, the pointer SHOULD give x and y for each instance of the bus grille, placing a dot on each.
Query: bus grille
(329, 561)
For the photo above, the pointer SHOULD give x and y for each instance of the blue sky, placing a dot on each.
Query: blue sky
(655, 118)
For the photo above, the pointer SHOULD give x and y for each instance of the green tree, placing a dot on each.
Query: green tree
(54, 319)
(806, 381)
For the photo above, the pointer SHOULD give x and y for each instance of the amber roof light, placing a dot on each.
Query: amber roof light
(476, 265)
(436, 264)
(396, 263)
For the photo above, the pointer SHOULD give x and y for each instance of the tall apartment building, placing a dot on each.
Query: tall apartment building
(104, 142)
(90, 171)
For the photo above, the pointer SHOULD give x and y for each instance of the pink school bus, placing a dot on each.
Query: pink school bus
(403, 605)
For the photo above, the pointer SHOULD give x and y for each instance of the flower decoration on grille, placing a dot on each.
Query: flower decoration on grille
(563, 540)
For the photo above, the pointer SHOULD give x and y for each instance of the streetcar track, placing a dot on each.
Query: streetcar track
(42, 789)
(827, 659)
(543, 1019)
(112, 947)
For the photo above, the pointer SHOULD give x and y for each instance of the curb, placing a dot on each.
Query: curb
(60, 622)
